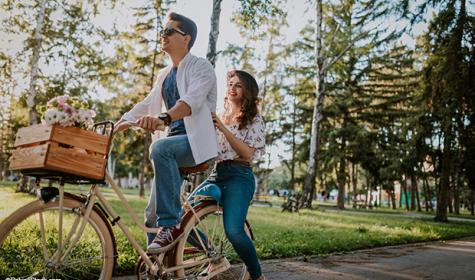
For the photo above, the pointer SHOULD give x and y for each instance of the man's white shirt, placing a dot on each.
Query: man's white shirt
(196, 82)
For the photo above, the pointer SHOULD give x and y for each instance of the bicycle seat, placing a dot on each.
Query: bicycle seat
(194, 169)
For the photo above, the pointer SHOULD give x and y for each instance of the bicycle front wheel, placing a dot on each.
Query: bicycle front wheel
(29, 243)
(204, 242)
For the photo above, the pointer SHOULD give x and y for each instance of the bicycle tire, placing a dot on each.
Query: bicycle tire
(93, 257)
(210, 214)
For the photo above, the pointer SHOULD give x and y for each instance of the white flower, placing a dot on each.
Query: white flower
(52, 116)
(61, 112)
(64, 119)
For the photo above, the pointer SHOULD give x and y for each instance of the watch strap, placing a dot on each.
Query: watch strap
(166, 118)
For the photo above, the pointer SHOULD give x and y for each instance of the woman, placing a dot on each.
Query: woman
(240, 131)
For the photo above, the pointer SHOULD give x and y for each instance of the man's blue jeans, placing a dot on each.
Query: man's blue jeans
(164, 206)
(233, 187)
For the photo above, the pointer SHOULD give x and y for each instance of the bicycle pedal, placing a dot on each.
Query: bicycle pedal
(214, 268)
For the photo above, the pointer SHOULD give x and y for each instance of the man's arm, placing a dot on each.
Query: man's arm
(179, 111)
(202, 82)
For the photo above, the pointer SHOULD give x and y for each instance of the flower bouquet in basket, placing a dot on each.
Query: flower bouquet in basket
(61, 144)
(68, 111)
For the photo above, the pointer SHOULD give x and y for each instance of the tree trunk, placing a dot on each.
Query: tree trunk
(472, 202)
(354, 181)
(393, 199)
(309, 184)
(292, 164)
(443, 188)
(416, 191)
(31, 98)
(23, 183)
(458, 183)
(370, 194)
(341, 183)
(450, 196)
(404, 189)
(413, 194)
(214, 32)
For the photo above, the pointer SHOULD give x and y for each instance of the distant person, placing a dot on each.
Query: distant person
(187, 88)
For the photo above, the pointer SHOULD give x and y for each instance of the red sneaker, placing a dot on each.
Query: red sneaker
(166, 238)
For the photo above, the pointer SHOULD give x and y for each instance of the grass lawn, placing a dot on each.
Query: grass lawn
(278, 235)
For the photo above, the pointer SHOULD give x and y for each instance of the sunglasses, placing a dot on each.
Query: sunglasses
(170, 30)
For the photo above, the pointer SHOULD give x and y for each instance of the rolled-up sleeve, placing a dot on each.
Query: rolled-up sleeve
(202, 81)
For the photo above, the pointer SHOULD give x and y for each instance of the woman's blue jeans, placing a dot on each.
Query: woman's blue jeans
(233, 187)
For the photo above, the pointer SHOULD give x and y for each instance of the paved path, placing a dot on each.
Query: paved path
(434, 260)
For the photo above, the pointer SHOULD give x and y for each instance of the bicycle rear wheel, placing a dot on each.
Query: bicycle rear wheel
(29, 243)
(208, 224)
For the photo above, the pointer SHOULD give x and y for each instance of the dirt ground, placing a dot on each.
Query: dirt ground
(434, 260)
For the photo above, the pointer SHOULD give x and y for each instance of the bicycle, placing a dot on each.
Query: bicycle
(67, 236)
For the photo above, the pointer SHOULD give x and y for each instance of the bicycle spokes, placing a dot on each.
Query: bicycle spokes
(43, 250)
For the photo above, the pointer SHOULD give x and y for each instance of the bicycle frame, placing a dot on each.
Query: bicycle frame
(95, 193)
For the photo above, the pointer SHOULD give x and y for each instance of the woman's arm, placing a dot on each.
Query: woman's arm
(242, 149)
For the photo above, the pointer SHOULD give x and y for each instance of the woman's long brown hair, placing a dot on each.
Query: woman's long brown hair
(250, 99)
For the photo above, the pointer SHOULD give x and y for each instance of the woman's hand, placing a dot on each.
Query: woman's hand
(217, 122)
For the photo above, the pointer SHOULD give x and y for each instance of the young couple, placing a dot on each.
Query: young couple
(187, 88)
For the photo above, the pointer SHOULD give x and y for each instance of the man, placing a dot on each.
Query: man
(187, 88)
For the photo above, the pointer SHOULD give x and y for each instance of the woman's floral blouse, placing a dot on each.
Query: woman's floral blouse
(253, 135)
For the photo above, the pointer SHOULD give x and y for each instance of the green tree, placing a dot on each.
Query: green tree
(448, 86)
(346, 92)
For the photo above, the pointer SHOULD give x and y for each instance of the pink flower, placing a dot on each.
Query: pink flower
(66, 111)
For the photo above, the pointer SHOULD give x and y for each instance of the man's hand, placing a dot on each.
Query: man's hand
(151, 123)
(121, 125)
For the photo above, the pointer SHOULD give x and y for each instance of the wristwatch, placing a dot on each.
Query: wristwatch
(165, 117)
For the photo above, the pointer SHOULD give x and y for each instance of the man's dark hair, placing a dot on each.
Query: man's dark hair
(186, 25)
